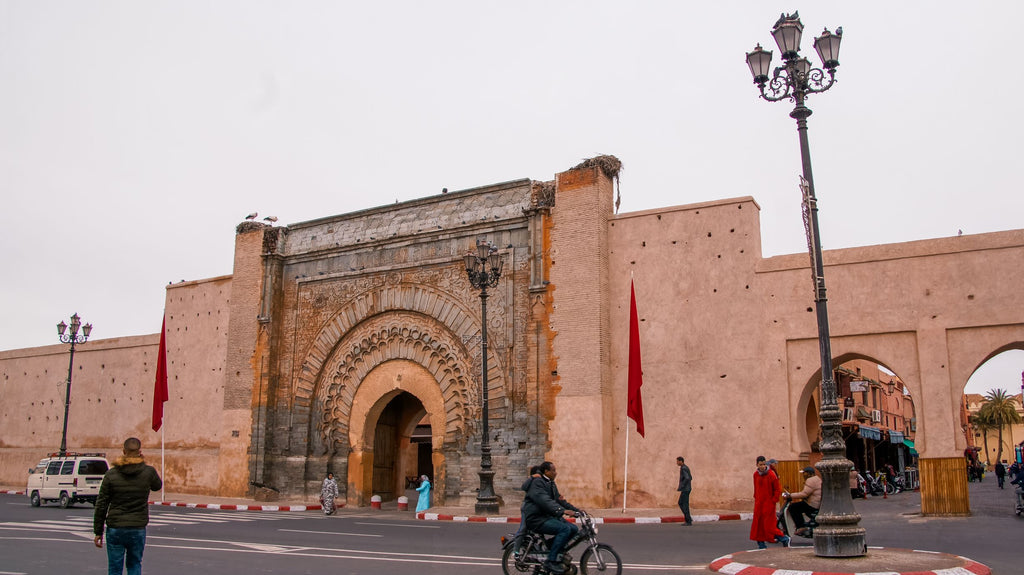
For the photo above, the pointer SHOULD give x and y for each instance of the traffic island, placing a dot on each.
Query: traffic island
(888, 560)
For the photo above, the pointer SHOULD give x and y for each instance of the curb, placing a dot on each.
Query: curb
(233, 507)
(726, 564)
(598, 520)
(221, 506)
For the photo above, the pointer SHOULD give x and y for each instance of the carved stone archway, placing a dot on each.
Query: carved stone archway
(376, 391)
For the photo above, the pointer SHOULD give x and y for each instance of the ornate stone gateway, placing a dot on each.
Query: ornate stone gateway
(369, 336)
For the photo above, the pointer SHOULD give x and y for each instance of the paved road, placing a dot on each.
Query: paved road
(52, 540)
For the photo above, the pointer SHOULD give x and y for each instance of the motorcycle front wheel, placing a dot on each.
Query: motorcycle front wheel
(600, 559)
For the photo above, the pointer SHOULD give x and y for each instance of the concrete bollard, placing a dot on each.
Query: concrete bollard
(375, 502)
(403, 503)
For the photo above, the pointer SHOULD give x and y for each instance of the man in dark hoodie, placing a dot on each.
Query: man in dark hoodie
(544, 508)
(123, 505)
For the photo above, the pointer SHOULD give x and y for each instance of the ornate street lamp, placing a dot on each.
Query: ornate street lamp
(484, 268)
(73, 338)
(838, 533)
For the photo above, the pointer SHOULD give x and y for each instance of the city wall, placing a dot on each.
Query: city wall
(112, 393)
(266, 363)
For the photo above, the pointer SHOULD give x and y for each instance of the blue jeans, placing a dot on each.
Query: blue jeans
(562, 530)
(124, 546)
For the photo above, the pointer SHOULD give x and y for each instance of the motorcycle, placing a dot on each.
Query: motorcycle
(874, 485)
(896, 485)
(527, 552)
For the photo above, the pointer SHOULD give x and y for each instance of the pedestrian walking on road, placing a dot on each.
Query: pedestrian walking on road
(1001, 472)
(423, 502)
(328, 493)
(685, 485)
(123, 507)
(767, 492)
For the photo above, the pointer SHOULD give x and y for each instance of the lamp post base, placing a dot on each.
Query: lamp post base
(486, 500)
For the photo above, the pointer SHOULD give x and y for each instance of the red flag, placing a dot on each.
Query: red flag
(635, 404)
(160, 386)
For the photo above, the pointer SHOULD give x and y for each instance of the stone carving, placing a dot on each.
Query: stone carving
(396, 335)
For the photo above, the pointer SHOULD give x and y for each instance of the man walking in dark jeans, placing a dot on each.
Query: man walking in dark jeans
(684, 489)
(123, 505)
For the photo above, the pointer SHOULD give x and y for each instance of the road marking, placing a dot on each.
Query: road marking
(331, 533)
(399, 525)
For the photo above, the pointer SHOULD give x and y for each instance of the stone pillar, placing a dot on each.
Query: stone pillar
(943, 479)
(240, 373)
(581, 431)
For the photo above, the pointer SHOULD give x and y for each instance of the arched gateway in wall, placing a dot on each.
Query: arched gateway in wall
(399, 339)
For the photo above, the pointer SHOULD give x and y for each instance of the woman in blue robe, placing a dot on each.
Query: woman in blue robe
(423, 503)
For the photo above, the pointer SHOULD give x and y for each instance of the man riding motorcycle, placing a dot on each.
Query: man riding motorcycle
(545, 510)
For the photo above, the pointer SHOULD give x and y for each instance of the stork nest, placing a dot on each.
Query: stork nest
(610, 165)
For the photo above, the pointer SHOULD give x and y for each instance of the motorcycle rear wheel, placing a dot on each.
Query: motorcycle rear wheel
(509, 566)
(611, 560)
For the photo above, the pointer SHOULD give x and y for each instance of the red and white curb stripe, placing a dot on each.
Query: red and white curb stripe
(231, 507)
(225, 507)
(679, 519)
(726, 564)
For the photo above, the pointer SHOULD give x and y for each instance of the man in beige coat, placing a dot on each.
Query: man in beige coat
(806, 501)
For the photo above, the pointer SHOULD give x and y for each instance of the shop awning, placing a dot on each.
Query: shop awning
(910, 444)
(895, 437)
(868, 432)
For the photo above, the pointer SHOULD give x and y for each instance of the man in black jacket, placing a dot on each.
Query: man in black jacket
(123, 505)
(545, 511)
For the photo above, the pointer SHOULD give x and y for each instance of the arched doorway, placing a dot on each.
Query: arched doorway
(398, 447)
(398, 412)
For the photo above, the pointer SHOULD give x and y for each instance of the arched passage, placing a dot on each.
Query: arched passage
(879, 417)
(389, 404)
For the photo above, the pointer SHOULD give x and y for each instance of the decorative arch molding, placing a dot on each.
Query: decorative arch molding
(388, 337)
(413, 322)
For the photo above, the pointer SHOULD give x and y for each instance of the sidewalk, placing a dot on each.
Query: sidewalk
(658, 515)
(509, 514)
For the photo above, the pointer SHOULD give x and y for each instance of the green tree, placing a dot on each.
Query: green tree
(983, 422)
(1001, 409)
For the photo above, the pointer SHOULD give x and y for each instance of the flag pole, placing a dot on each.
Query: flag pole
(163, 475)
(625, 474)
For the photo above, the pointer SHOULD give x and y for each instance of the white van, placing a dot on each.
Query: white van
(69, 479)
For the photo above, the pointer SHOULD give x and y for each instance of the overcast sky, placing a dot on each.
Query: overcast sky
(134, 136)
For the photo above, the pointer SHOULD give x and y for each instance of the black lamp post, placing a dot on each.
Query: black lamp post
(484, 268)
(838, 533)
(73, 338)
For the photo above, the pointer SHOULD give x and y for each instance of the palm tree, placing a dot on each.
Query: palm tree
(1001, 409)
(982, 421)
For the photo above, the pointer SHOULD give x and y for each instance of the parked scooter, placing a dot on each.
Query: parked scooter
(895, 485)
(874, 485)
